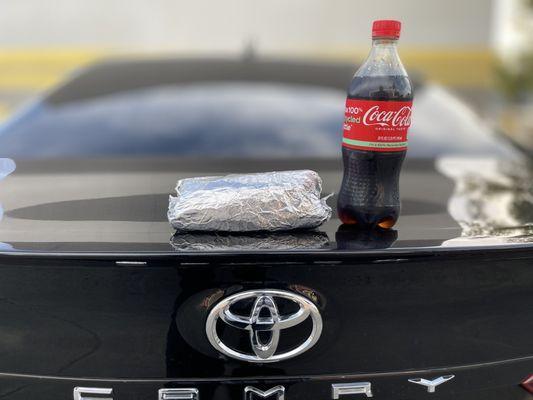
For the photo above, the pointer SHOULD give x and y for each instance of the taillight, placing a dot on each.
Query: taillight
(528, 384)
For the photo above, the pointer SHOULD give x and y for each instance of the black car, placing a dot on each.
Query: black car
(100, 298)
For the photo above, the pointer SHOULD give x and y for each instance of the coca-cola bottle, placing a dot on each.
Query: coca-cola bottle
(377, 117)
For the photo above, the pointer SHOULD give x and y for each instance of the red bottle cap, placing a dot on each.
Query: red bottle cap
(386, 28)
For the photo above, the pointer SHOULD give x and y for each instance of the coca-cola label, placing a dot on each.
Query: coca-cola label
(376, 125)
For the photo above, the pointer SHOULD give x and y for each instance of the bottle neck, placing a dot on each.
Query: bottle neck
(384, 42)
(383, 59)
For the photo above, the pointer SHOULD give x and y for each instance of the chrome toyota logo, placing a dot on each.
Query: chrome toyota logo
(264, 324)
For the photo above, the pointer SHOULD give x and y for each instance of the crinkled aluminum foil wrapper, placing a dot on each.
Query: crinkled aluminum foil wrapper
(271, 201)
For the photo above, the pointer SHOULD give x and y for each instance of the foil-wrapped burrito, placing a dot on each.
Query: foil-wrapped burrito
(271, 201)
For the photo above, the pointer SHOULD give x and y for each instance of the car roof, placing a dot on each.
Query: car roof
(117, 75)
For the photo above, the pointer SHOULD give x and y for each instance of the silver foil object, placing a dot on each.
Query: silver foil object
(270, 201)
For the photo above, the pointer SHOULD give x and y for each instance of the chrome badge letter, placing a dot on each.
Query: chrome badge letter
(277, 393)
(431, 385)
(85, 393)
(179, 394)
(342, 389)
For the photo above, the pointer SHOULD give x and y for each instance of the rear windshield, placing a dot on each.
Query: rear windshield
(211, 119)
(240, 120)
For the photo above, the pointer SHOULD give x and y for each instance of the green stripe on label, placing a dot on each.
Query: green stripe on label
(378, 145)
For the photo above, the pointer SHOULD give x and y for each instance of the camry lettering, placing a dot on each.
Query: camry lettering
(345, 390)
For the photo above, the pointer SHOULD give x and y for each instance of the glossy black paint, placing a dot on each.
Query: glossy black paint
(119, 206)
(386, 320)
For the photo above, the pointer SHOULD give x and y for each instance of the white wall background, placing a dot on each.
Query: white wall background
(228, 25)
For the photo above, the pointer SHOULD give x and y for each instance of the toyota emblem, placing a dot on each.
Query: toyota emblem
(264, 324)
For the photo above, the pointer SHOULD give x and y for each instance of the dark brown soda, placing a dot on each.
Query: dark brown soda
(369, 195)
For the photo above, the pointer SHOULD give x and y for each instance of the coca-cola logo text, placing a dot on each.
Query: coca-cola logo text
(399, 119)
